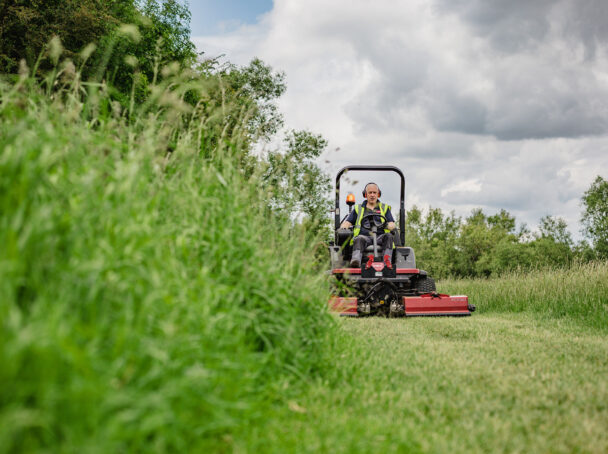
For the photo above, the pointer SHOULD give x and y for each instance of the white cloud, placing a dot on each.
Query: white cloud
(472, 185)
(491, 103)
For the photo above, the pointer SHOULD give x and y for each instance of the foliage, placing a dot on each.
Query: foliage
(160, 34)
(595, 215)
(259, 86)
(433, 238)
(141, 44)
(26, 27)
(482, 245)
(149, 299)
(297, 184)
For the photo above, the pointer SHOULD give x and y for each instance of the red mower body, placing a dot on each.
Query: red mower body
(377, 287)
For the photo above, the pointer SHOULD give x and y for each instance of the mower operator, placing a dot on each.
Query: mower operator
(362, 236)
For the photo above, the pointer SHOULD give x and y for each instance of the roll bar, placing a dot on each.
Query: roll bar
(374, 169)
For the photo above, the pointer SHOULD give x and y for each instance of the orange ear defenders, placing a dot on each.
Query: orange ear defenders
(365, 190)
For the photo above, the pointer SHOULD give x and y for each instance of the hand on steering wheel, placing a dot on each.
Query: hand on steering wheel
(371, 220)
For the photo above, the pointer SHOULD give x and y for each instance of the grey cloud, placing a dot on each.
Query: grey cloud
(537, 101)
(458, 113)
(587, 21)
(538, 84)
(510, 25)
(515, 25)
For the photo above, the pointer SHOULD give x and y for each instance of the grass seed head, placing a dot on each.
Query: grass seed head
(130, 31)
(87, 51)
(55, 49)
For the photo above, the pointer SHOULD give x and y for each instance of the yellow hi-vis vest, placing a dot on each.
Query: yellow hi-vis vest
(360, 212)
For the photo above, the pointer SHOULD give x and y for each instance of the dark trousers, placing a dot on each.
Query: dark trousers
(384, 241)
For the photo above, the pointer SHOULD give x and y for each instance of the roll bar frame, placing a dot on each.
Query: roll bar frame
(374, 169)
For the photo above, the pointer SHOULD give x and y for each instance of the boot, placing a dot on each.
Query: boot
(387, 262)
(355, 260)
(370, 260)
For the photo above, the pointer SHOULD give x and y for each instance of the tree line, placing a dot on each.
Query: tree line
(485, 245)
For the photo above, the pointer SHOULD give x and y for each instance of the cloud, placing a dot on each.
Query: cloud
(509, 96)
(514, 26)
(471, 185)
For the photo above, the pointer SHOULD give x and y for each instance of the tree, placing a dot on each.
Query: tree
(433, 237)
(507, 255)
(477, 238)
(299, 187)
(553, 245)
(26, 26)
(246, 98)
(556, 229)
(163, 27)
(164, 38)
(595, 215)
(256, 87)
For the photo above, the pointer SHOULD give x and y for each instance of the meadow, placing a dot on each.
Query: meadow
(525, 373)
(151, 301)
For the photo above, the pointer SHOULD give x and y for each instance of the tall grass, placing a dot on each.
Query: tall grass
(149, 299)
(579, 292)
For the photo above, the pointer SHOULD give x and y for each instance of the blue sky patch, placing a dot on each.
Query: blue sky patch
(211, 17)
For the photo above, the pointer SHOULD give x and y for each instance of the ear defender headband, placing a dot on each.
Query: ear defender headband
(365, 190)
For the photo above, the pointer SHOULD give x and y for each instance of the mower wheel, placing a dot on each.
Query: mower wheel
(425, 285)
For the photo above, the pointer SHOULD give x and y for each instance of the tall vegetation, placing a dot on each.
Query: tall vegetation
(484, 245)
(595, 215)
(162, 27)
(155, 291)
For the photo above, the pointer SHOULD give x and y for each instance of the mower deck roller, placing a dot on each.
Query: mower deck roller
(427, 305)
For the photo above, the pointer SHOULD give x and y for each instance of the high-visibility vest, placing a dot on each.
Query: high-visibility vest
(360, 211)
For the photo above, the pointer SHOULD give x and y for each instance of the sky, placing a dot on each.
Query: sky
(215, 17)
(496, 104)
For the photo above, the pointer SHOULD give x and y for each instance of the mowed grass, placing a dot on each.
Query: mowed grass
(517, 376)
(489, 383)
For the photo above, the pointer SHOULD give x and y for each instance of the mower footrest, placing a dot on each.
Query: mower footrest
(347, 307)
(435, 304)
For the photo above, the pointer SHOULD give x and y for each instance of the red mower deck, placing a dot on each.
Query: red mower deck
(429, 305)
(435, 304)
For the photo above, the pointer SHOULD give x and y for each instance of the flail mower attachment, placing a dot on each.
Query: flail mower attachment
(427, 305)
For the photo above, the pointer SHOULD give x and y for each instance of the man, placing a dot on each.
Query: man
(363, 236)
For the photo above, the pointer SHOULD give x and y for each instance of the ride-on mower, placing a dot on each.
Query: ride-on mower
(374, 288)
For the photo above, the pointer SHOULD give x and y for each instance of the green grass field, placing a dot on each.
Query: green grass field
(531, 380)
(150, 301)
(490, 383)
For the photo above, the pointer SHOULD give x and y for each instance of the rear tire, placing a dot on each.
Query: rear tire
(425, 285)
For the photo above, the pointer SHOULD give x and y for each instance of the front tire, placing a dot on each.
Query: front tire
(425, 285)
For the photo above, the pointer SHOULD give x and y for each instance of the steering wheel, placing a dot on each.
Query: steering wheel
(371, 220)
